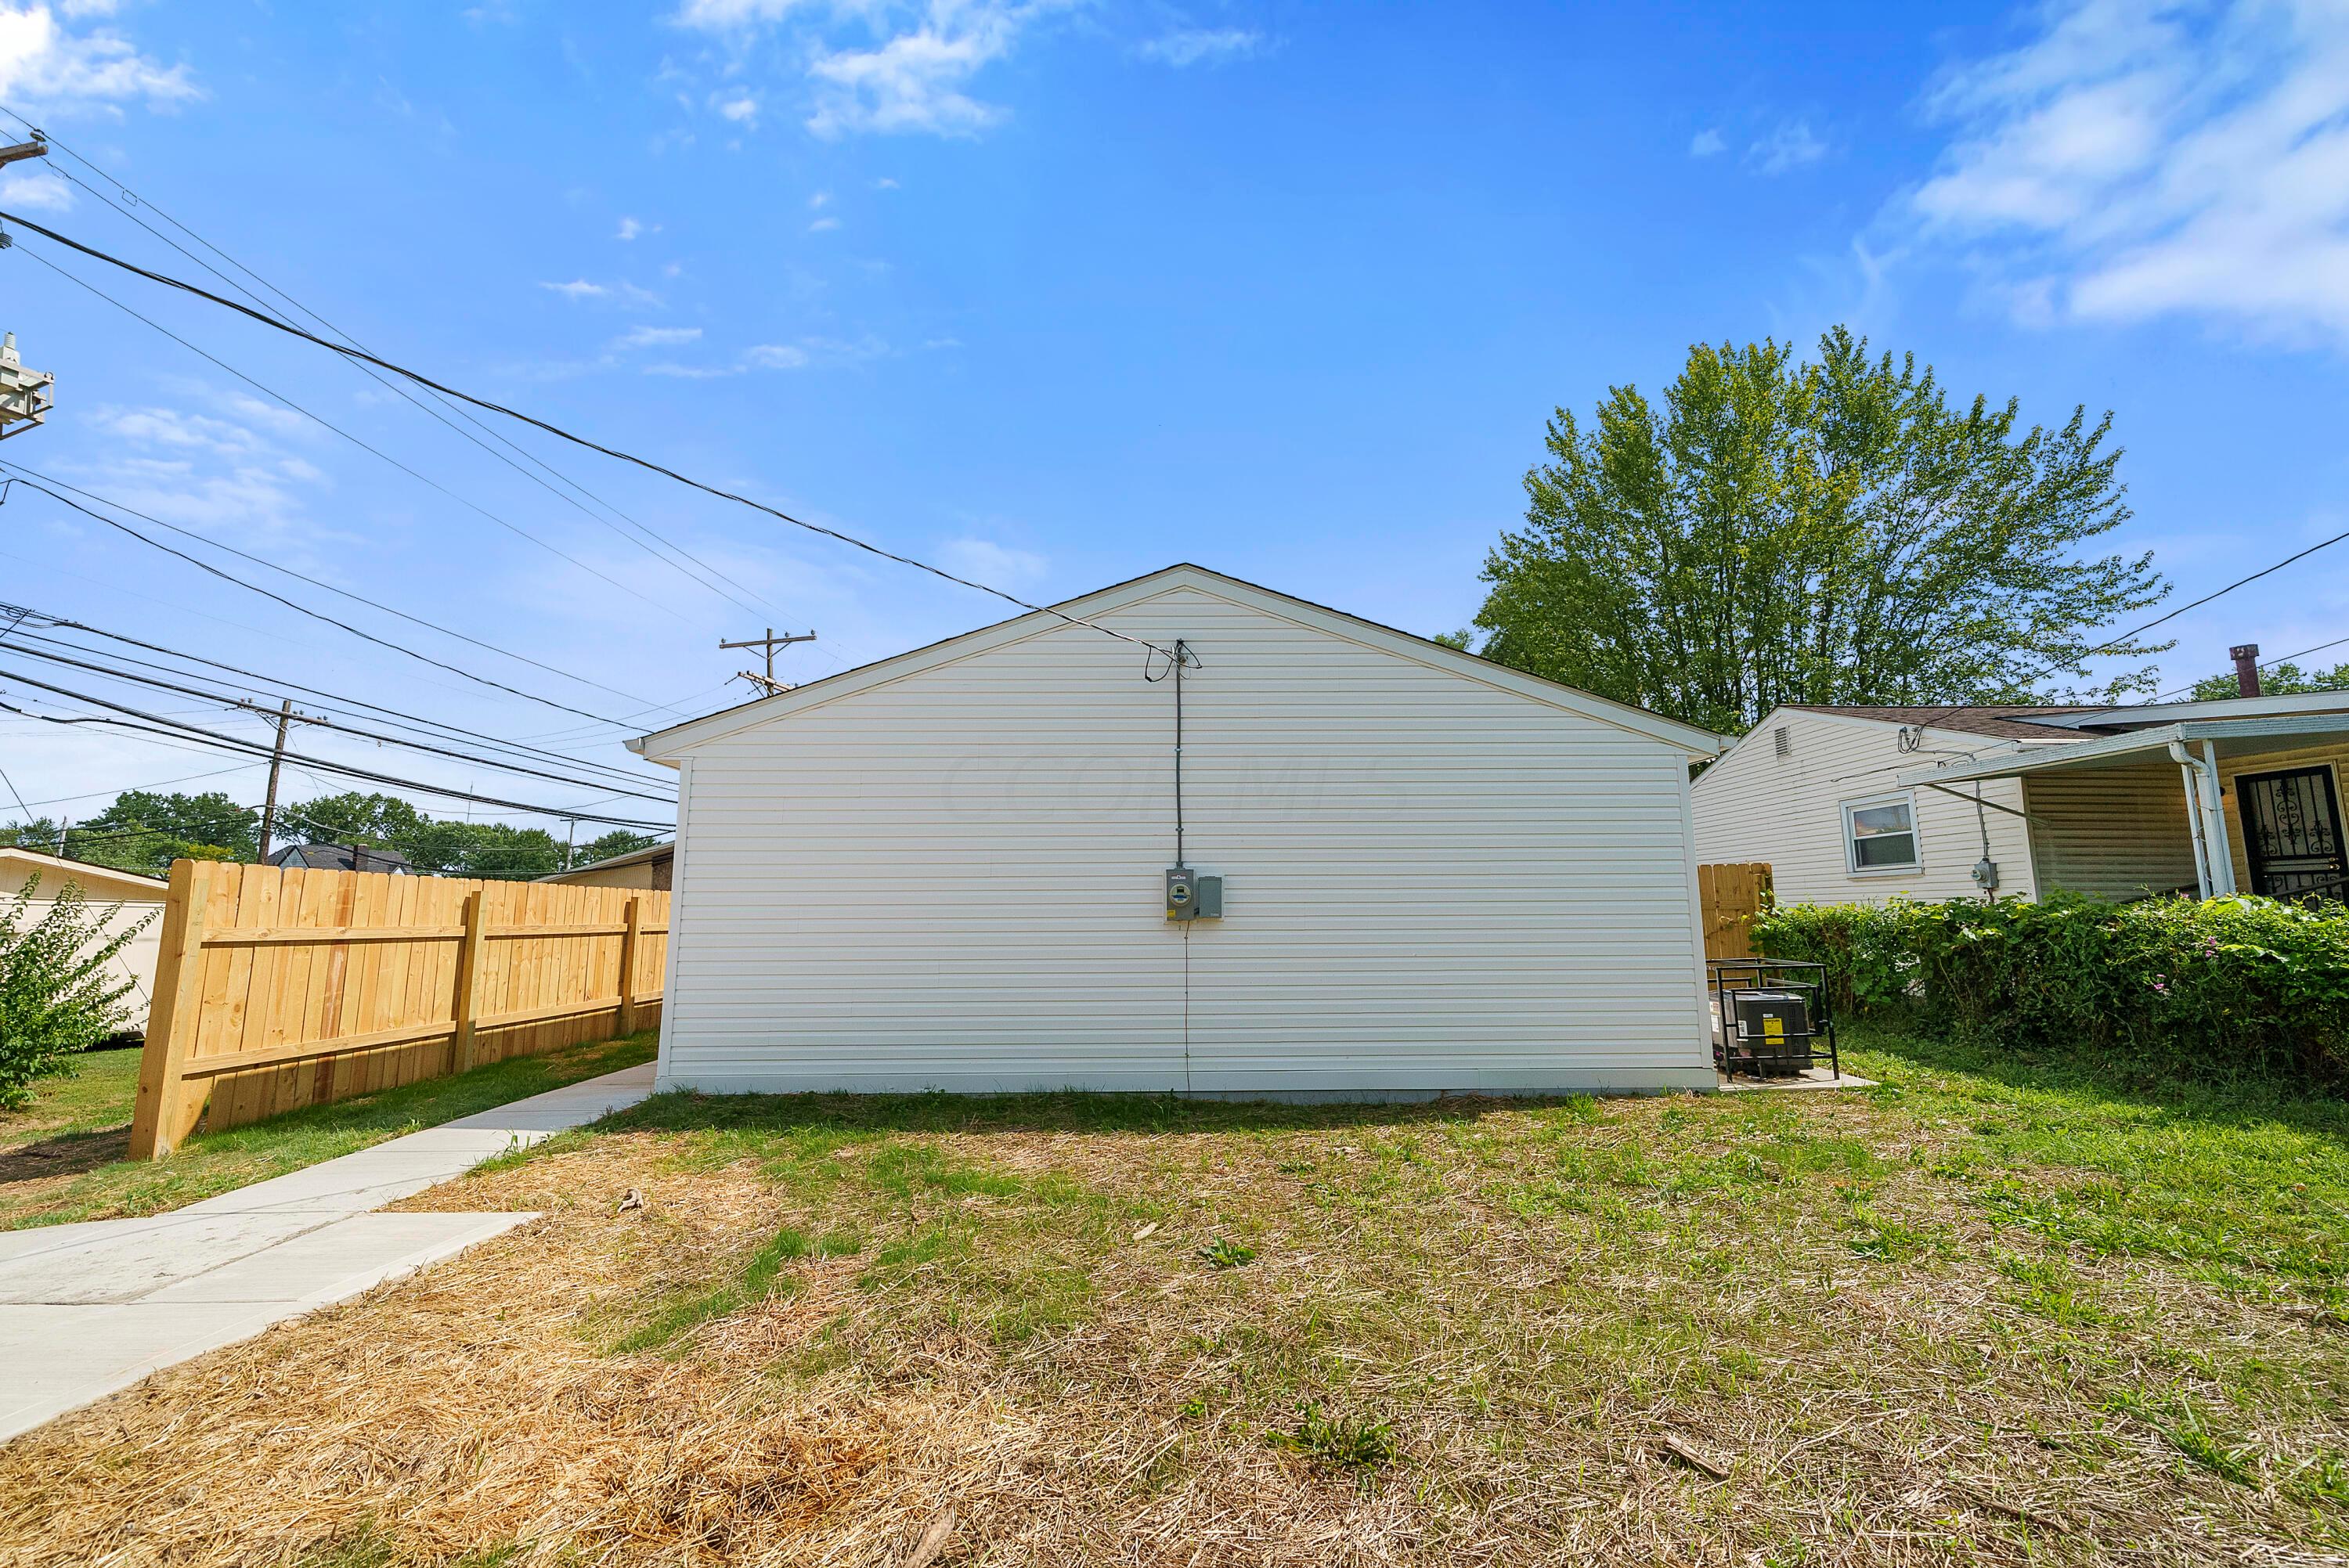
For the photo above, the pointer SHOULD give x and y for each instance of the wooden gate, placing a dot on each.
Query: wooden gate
(278, 988)
(1732, 896)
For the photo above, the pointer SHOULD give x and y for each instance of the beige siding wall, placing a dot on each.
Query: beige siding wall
(2116, 833)
(1755, 805)
(2336, 757)
(1431, 883)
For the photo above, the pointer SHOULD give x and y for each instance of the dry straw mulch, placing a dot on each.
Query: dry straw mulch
(1643, 1334)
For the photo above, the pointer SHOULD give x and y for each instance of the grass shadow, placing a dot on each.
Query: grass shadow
(1066, 1110)
(2241, 1102)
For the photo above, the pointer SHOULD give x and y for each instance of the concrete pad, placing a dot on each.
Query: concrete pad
(88, 1309)
(1808, 1079)
(101, 1265)
(344, 1259)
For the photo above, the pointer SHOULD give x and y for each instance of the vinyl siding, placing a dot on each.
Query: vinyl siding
(953, 880)
(1755, 804)
(2115, 832)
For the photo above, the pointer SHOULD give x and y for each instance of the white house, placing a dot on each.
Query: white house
(1864, 804)
(949, 868)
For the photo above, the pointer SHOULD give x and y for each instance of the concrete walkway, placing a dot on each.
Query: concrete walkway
(88, 1309)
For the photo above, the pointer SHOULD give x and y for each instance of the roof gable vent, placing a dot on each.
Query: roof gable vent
(1782, 741)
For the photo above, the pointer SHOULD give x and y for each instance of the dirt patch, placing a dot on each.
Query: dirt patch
(68, 1155)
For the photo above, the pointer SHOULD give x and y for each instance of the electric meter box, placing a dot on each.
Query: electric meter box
(1193, 895)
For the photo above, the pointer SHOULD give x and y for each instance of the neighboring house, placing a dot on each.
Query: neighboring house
(126, 897)
(343, 858)
(650, 869)
(1864, 804)
(949, 868)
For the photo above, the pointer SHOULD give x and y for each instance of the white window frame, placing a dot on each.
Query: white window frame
(1915, 861)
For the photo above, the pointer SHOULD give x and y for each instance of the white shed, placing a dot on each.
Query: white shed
(947, 869)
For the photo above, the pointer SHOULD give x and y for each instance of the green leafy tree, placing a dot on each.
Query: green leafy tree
(618, 842)
(145, 832)
(41, 833)
(435, 847)
(2287, 679)
(1829, 531)
(55, 996)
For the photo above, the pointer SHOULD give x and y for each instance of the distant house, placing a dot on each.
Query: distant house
(139, 899)
(650, 869)
(343, 858)
(1866, 804)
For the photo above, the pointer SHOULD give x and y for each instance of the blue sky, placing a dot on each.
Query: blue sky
(1056, 294)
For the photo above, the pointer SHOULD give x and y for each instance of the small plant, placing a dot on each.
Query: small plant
(1338, 1442)
(56, 998)
(1223, 1253)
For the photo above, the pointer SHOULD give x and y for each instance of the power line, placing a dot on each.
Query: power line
(710, 581)
(344, 729)
(2086, 653)
(2280, 659)
(36, 482)
(138, 789)
(233, 744)
(392, 715)
(360, 443)
(290, 329)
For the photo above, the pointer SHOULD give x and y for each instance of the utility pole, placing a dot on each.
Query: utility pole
(770, 643)
(570, 831)
(283, 715)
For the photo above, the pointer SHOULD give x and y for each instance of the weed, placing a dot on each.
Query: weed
(1338, 1442)
(1223, 1253)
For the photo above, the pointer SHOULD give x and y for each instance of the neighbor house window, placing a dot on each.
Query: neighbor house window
(1880, 835)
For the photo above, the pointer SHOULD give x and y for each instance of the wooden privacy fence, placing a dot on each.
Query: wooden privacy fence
(282, 987)
(1732, 896)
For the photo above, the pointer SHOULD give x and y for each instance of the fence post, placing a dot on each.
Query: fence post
(628, 966)
(469, 985)
(162, 1116)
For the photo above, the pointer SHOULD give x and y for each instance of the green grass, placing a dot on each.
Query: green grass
(60, 1158)
(1996, 1309)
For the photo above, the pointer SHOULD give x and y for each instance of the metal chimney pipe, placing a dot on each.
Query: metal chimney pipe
(2247, 668)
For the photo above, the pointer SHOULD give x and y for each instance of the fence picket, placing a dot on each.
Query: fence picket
(278, 988)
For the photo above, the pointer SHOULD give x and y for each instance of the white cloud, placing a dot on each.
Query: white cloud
(985, 561)
(914, 82)
(738, 107)
(1789, 147)
(39, 192)
(885, 184)
(1193, 46)
(1706, 143)
(2139, 158)
(732, 15)
(821, 199)
(43, 63)
(823, 225)
(776, 357)
(582, 289)
(631, 228)
(657, 337)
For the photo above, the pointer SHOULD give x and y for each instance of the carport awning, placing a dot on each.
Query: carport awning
(2231, 737)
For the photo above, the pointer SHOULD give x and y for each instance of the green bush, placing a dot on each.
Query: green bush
(55, 996)
(2228, 986)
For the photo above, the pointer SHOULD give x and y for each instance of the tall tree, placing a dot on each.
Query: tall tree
(1828, 531)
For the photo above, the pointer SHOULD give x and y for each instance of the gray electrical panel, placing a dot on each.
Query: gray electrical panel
(1193, 895)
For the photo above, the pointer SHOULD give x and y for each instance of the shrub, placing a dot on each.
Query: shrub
(55, 996)
(2223, 986)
